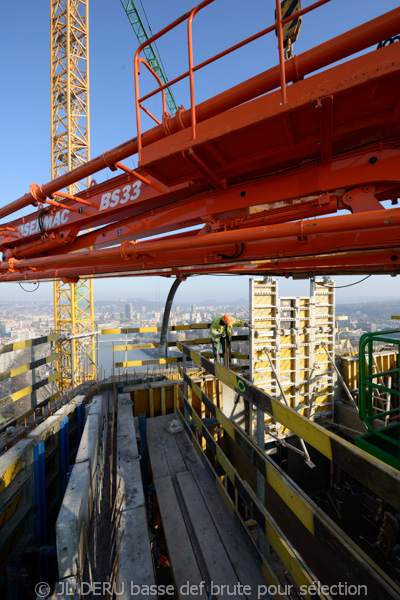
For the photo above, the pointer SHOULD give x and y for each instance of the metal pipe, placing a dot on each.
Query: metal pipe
(342, 381)
(343, 223)
(380, 218)
(305, 452)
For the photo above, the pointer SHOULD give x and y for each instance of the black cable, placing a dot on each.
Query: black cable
(43, 232)
(36, 288)
(338, 287)
(392, 40)
(155, 43)
(236, 254)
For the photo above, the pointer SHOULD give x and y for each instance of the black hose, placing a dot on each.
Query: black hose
(163, 348)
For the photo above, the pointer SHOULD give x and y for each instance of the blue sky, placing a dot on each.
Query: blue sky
(25, 103)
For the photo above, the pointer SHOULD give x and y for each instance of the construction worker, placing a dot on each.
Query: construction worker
(221, 335)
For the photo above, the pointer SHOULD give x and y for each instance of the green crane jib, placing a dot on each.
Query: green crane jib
(151, 57)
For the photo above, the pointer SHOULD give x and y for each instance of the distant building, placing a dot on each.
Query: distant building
(5, 329)
(128, 311)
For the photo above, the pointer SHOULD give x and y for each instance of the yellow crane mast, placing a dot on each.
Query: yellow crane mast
(70, 146)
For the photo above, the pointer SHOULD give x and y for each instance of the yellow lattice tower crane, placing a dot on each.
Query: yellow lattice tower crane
(70, 141)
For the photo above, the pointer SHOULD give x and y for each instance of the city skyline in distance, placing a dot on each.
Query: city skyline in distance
(200, 289)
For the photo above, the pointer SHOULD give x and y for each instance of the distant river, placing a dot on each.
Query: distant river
(106, 356)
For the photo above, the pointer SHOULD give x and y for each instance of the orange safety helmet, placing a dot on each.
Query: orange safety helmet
(228, 320)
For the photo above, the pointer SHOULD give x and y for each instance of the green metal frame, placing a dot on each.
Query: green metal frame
(151, 57)
(367, 384)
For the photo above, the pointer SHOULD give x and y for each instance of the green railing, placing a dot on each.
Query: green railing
(383, 442)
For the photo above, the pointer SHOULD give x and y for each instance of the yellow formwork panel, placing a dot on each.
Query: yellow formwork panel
(10, 474)
(5, 479)
(293, 336)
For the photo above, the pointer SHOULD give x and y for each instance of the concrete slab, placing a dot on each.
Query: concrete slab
(135, 564)
(71, 520)
(129, 479)
(126, 428)
(49, 427)
(78, 399)
(9, 460)
(66, 589)
(88, 450)
(97, 405)
(124, 399)
(129, 484)
(67, 409)
(89, 444)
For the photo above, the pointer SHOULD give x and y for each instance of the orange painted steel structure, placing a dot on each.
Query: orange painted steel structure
(256, 169)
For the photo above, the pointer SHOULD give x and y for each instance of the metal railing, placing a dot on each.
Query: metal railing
(256, 478)
(368, 384)
(189, 16)
(161, 361)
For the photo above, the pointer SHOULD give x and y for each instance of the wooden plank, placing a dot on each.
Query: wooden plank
(183, 562)
(151, 402)
(245, 456)
(213, 551)
(174, 458)
(135, 562)
(187, 451)
(163, 407)
(236, 542)
(282, 546)
(158, 462)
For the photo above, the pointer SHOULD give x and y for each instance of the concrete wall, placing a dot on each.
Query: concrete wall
(83, 492)
(18, 505)
(135, 562)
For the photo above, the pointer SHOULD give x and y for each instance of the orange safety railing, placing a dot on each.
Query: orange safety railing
(189, 16)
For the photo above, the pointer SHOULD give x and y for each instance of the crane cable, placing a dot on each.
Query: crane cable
(155, 43)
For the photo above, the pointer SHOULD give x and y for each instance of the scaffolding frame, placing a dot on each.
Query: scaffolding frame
(70, 147)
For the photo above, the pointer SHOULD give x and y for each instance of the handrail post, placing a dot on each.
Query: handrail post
(185, 389)
(282, 68)
(136, 66)
(191, 76)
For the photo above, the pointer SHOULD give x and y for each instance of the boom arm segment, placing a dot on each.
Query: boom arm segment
(250, 180)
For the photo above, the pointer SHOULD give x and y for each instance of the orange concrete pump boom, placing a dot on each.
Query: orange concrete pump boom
(259, 170)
